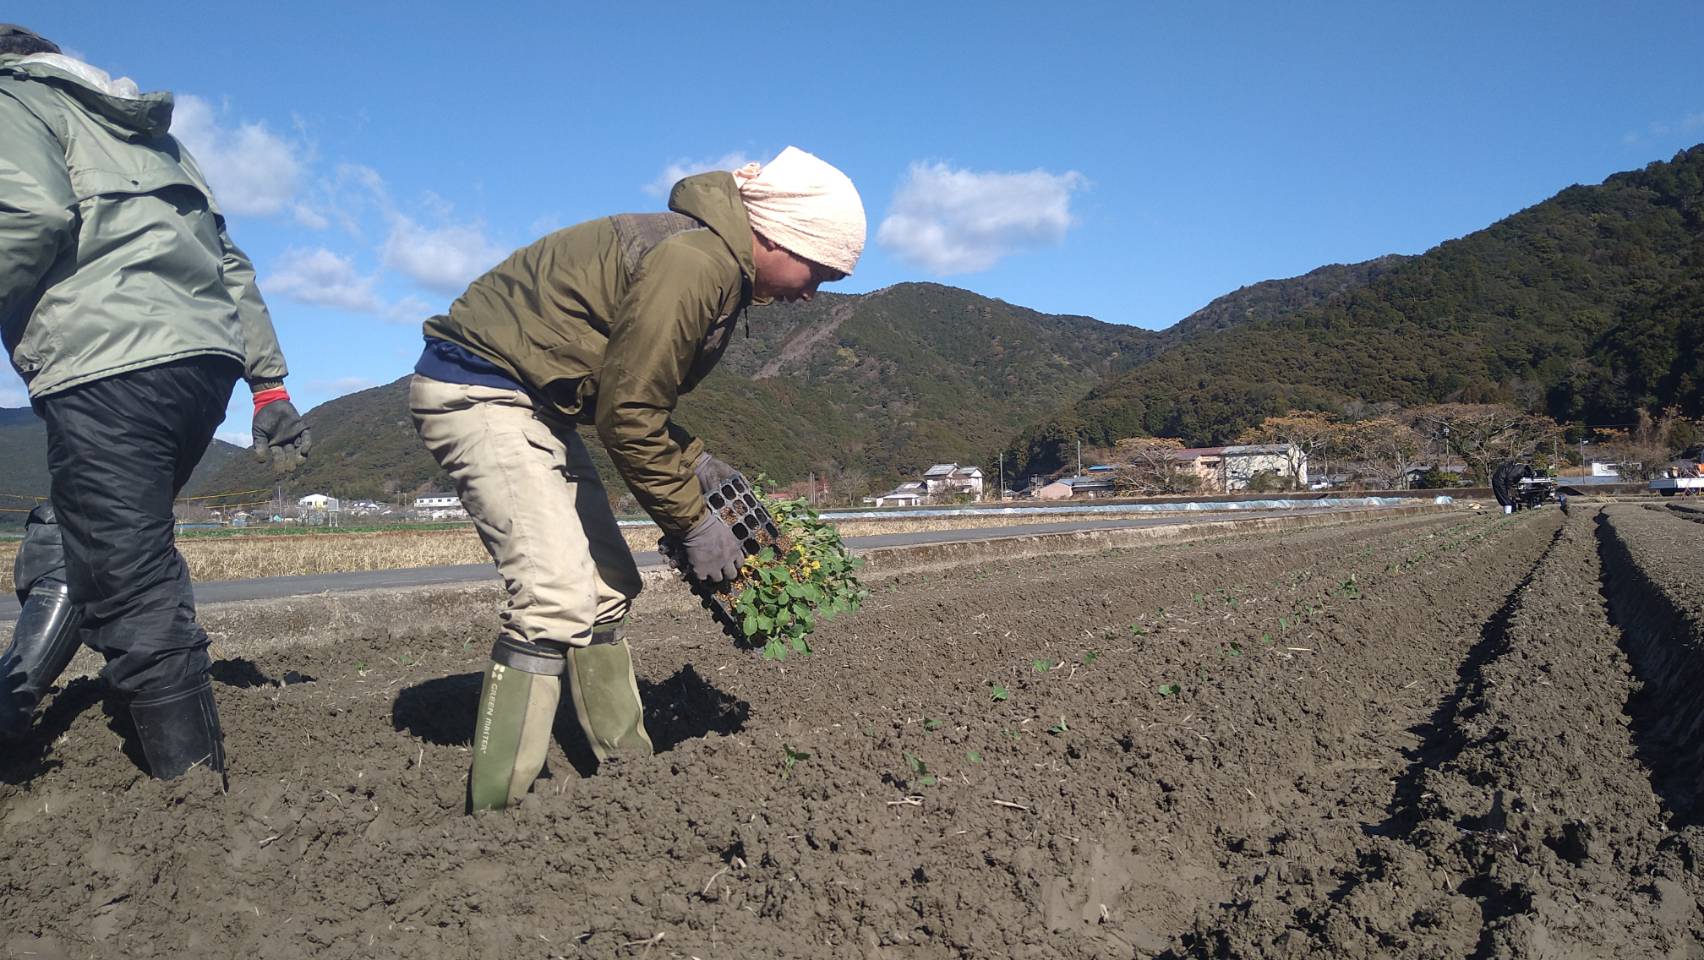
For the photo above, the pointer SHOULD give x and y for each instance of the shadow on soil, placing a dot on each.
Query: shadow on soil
(1666, 712)
(31, 756)
(1441, 738)
(683, 707)
(244, 673)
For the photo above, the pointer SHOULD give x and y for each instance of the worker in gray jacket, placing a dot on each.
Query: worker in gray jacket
(130, 315)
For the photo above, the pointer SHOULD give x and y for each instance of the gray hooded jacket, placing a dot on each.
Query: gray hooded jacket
(113, 254)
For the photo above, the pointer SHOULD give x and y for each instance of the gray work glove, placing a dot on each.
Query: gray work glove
(711, 472)
(713, 553)
(280, 433)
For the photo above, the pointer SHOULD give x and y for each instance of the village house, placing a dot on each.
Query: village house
(904, 495)
(1232, 469)
(1076, 488)
(947, 480)
(319, 503)
(439, 506)
(941, 483)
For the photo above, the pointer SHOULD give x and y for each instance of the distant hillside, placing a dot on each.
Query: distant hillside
(879, 384)
(23, 467)
(1586, 307)
(1272, 299)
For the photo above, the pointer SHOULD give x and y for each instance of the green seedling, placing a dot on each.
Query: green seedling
(931, 724)
(1136, 629)
(973, 756)
(1041, 666)
(790, 759)
(1058, 728)
(1198, 599)
(920, 770)
(1169, 689)
(1266, 638)
(1090, 657)
(1233, 650)
(998, 693)
(1012, 734)
(786, 589)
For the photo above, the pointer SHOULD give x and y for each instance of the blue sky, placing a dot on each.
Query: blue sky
(1128, 161)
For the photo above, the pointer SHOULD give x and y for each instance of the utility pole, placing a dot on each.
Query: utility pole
(1000, 491)
(1079, 457)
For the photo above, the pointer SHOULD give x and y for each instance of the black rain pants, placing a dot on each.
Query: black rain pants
(119, 450)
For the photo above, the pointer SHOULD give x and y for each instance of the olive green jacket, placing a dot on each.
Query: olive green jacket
(113, 254)
(610, 321)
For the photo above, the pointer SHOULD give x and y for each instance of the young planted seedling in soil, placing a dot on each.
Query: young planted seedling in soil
(920, 770)
(791, 759)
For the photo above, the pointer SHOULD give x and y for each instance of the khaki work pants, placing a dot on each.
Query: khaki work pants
(538, 505)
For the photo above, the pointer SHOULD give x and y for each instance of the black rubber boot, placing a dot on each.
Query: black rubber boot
(178, 728)
(43, 642)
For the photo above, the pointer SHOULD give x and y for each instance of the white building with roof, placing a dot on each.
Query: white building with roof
(946, 480)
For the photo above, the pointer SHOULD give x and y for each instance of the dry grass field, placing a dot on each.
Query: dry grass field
(277, 555)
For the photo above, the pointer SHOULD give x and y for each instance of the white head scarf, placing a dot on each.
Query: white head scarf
(805, 205)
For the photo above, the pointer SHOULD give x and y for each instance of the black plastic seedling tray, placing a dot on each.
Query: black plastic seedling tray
(739, 507)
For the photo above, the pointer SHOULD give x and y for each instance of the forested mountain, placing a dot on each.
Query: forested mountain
(864, 388)
(1586, 307)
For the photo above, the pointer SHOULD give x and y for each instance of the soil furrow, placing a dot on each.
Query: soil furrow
(1048, 757)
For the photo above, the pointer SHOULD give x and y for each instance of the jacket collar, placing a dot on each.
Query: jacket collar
(119, 103)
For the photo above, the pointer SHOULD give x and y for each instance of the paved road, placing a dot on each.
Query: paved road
(265, 588)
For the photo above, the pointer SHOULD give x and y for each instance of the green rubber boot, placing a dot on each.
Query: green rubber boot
(517, 706)
(606, 696)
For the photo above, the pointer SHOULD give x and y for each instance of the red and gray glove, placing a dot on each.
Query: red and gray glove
(713, 553)
(279, 433)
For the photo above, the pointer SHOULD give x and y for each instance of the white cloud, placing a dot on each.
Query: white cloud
(324, 279)
(242, 438)
(963, 221)
(412, 310)
(251, 169)
(309, 217)
(443, 259)
(679, 169)
(14, 397)
(545, 223)
(339, 386)
(1688, 124)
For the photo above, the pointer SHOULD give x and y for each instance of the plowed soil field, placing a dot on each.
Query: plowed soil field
(1450, 735)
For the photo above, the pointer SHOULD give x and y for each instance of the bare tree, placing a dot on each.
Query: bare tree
(1386, 449)
(1484, 434)
(1314, 434)
(1147, 466)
